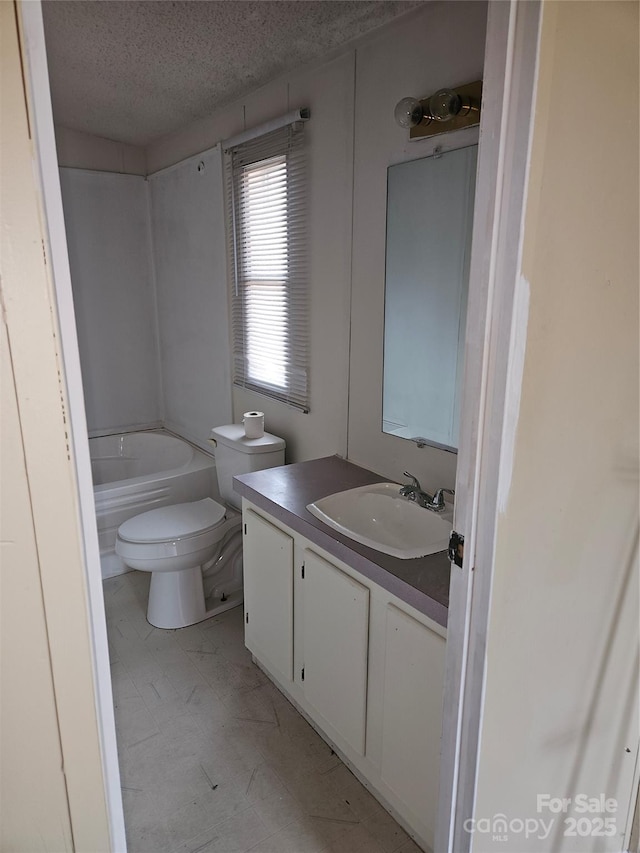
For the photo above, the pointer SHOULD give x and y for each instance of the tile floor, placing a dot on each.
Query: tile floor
(213, 758)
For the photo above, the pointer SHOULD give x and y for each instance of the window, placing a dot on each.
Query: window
(267, 242)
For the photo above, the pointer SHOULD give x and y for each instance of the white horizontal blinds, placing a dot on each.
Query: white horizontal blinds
(267, 242)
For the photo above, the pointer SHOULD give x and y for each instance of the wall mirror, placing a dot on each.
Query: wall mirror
(429, 221)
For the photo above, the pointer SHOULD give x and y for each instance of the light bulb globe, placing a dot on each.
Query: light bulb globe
(408, 112)
(445, 104)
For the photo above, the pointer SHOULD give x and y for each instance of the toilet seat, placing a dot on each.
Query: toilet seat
(171, 531)
(176, 521)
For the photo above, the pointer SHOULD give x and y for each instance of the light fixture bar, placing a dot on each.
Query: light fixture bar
(471, 96)
(290, 118)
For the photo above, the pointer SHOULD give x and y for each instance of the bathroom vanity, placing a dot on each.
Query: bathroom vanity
(354, 638)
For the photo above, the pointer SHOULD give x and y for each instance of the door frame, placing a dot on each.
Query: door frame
(494, 357)
(495, 331)
(38, 94)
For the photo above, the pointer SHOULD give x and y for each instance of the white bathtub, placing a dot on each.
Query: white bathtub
(138, 471)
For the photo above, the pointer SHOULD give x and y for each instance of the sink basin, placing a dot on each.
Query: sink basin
(378, 517)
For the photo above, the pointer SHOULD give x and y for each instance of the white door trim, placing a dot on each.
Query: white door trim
(496, 331)
(39, 95)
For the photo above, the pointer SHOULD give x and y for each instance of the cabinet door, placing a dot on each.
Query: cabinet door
(268, 594)
(336, 634)
(412, 712)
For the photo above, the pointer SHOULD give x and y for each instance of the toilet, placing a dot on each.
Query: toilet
(189, 546)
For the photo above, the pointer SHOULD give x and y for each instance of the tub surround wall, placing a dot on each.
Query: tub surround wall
(189, 262)
(113, 297)
(151, 356)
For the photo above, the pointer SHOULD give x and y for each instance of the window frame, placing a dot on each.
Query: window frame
(287, 145)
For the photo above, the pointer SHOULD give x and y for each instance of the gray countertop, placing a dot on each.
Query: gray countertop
(284, 493)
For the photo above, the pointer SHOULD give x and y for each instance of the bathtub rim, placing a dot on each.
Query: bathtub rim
(115, 488)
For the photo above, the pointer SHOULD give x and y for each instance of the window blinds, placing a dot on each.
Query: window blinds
(266, 190)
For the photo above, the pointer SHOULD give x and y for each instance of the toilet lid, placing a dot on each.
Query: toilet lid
(177, 521)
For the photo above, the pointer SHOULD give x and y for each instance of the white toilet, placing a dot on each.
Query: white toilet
(187, 545)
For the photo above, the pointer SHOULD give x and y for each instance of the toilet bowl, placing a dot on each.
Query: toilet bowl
(189, 546)
(176, 544)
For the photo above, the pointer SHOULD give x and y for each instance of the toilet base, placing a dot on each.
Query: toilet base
(176, 599)
(217, 605)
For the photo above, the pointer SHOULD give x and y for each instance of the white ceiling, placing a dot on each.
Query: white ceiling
(135, 70)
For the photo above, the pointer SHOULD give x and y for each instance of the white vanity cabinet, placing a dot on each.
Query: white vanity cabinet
(365, 668)
(412, 710)
(335, 642)
(268, 594)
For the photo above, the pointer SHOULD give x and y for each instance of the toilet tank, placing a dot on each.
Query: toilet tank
(236, 454)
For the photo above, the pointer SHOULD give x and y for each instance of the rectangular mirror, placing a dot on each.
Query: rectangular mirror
(429, 223)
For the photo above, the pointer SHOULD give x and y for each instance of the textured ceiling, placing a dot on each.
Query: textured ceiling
(134, 70)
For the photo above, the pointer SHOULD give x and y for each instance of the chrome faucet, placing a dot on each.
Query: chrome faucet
(413, 492)
(438, 502)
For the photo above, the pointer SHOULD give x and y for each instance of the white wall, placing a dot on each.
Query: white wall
(442, 46)
(80, 150)
(561, 696)
(52, 782)
(27, 689)
(351, 99)
(189, 252)
(328, 90)
(107, 223)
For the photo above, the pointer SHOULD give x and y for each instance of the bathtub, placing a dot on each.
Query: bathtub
(137, 471)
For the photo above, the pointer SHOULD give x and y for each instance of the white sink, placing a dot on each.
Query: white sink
(377, 516)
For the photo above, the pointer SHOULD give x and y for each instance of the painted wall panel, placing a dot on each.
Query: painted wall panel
(187, 223)
(106, 218)
(328, 91)
(351, 99)
(443, 46)
(79, 150)
(52, 775)
(561, 715)
(31, 767)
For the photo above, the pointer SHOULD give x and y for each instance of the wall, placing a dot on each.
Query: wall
(351, 99)
(443, 47)
(26, 685)
(328, 90)
(107, 223)
(561, 692)
(84, 151)
(189, 252)
(53, 792)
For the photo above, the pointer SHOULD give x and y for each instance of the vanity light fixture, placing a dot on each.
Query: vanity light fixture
(445, 110)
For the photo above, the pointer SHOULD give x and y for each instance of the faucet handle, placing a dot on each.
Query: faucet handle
(414, 480)
(438, 498)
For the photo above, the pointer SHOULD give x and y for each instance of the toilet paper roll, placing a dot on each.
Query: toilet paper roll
(253, 424)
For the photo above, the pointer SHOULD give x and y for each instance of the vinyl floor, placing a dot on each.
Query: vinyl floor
(213, 758)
